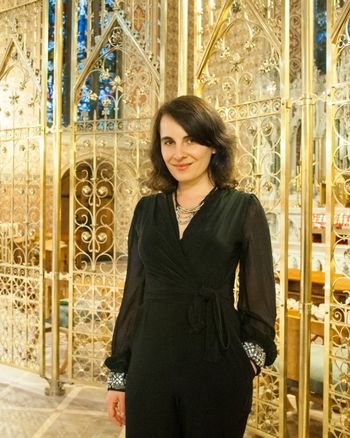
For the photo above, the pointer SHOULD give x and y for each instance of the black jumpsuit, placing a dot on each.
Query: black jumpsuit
(178, 335)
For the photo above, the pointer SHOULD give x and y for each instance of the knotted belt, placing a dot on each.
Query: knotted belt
(205, 312)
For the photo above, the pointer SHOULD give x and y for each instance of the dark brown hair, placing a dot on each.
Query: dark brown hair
(202, 123)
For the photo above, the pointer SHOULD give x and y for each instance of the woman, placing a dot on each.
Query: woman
(185, 356)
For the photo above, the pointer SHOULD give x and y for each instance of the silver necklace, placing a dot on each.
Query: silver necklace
(184, 215)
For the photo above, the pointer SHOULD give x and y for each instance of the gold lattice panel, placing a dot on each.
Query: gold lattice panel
(19, 250)
(20, 320)
(110, 168)
(338, 392)
(22, 24)
(20, 184)
(239, 74)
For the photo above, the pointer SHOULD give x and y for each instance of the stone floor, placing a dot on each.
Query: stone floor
(25, 412)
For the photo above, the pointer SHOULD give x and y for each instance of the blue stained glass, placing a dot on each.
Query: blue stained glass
(82, 29)
(111, 56)
(99, 93)
(321, 36)
(50, 72)
(51, 46)
(320, 45)
(80, 66)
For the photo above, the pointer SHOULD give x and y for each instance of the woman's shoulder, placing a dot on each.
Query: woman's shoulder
(237, 195)
(146, 201)
(241, 195)
(151, 198)
(243, 201)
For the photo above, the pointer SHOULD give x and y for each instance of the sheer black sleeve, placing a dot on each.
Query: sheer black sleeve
(257, 298)
(132, 298)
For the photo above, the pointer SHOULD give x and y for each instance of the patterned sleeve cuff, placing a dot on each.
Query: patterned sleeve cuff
(255, 353)
(116, 381)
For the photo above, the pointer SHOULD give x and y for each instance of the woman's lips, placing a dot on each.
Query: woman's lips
(182, 166)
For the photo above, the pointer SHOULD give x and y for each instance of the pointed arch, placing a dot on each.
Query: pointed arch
(116, 20)
(26, 61)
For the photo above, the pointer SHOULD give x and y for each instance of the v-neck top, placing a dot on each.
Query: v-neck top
(172, 208)
(230, 229)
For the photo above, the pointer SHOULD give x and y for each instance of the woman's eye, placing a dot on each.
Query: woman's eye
(190, 140)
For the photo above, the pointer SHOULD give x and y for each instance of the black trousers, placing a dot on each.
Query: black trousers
(173, 393)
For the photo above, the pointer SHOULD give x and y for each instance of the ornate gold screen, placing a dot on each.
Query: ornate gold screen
(20, 186)
(337, 358)
(248, 63)
(239, 72)
(108, 167)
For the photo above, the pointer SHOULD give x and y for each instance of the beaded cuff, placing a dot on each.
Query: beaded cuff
(255, 353)
(116, 381)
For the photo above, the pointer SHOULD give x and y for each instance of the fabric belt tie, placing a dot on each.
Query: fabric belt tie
(206, 312)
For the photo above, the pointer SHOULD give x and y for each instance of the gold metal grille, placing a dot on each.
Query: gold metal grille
(109, 167)
(239, 73)
(337, 328)
(242, 66)
(20, 188)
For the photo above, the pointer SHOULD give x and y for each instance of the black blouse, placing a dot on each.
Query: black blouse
(229, 229)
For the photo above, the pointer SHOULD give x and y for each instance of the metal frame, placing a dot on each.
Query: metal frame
(183, 47)
(45, 36)
(218, 23)
(336, 399)
(285, 181)
(307, 38)
(55, 384)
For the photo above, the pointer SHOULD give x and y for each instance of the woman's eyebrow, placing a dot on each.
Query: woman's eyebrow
(166, 137)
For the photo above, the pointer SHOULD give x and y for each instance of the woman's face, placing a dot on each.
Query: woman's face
(186, 160)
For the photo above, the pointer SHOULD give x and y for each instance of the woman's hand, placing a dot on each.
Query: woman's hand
(116, 407)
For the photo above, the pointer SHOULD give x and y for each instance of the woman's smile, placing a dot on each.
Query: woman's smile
(182, 167)
(186, 159)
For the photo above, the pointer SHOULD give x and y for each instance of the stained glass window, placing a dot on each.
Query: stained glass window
(66, 63)
(50, 65)
(320, 35)
(100, 91)
(82, 32)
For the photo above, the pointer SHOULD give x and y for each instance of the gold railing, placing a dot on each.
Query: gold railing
(336, 399)
(21, 133)
(67, 194)
(239, 72)
(239, 44)
(108, 167)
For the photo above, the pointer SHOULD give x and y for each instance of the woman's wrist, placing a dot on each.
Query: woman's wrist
(116, 381)
(255, 353)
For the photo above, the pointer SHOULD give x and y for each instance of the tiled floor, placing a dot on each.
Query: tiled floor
(316, 418)
(25, 412)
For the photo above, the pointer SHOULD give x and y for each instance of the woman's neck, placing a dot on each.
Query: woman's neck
(191, 187)
(189, 194)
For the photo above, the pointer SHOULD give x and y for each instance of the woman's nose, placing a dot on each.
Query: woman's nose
(179, 151)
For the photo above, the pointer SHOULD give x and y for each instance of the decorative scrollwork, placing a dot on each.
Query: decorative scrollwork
(339, 348)
(111, 167)
(20, 187)
(241, 78)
